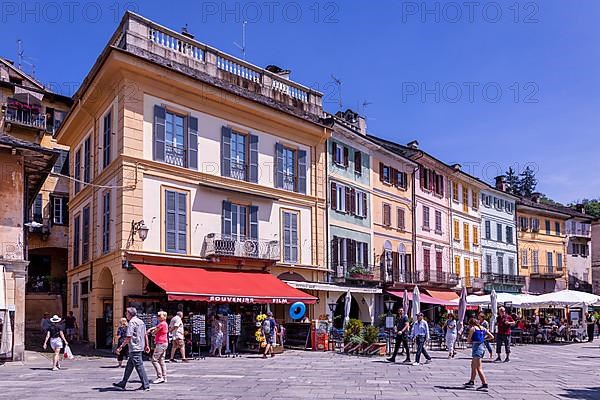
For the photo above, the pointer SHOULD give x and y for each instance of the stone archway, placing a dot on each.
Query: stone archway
(104, 323)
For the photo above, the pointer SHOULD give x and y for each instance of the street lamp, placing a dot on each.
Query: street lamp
(389, 324)
(389, 305)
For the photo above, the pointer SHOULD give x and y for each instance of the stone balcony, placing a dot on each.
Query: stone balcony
(182, 53)
(546, 271)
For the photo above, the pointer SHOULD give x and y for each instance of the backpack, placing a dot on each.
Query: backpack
(266, 325)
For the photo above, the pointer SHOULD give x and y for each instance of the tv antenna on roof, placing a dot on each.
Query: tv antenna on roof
(338, 83)
(243, 46)
(21, 59)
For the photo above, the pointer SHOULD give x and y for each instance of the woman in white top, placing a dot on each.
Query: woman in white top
(451, 333)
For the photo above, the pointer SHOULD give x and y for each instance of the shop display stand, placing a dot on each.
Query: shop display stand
(198, 322)
(234, 330)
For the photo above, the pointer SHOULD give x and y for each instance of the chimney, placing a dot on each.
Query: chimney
(284, 73)
(184, 32)
(535, 197)
(580, 207)
(413, 144)
(501, 183)
(456, 166)
(354, 119)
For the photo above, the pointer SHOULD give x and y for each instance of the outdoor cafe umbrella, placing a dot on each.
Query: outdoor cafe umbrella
(462, 309)
(494, 306)
(405, 301)
(347, 305)
(416, 306)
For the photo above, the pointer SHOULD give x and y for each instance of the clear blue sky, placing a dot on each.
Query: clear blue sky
(431, 75)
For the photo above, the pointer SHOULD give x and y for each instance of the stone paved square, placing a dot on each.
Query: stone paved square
(568, 371)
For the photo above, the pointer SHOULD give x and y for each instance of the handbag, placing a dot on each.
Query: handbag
(68, 354)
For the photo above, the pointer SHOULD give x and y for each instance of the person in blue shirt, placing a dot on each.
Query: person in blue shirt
(477, 337)
(420, 333)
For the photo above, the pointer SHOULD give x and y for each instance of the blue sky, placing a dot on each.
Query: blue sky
(498, 84)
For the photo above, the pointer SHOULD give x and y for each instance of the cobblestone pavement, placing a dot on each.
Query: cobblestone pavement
(535, 372)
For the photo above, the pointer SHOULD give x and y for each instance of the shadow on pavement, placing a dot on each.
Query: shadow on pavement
(585, 393)
(451, 387)
(108, 389)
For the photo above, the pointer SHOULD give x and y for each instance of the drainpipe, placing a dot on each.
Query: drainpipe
(327, 200)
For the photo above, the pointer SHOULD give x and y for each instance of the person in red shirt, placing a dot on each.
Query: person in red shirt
(161, 342)
(504, 323)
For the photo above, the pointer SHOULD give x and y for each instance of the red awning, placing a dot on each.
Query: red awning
(422, 297)
(447, 295)
(219, 286)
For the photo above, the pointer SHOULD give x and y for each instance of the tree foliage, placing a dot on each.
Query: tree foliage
(523, 184)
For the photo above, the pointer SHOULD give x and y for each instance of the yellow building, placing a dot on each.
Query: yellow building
(541, 246)
(195, 172)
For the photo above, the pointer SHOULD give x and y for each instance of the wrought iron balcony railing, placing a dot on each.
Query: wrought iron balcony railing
(440, 278)
(24, 118)
(356, 271)
(216, 244)
(44, 284)
(502, 279)
(546, 271)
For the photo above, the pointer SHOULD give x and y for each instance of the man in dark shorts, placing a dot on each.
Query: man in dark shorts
(402, 329)
(269, 328)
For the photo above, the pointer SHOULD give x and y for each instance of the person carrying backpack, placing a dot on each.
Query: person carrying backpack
(269, 330)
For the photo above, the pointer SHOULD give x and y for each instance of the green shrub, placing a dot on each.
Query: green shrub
(371, 334)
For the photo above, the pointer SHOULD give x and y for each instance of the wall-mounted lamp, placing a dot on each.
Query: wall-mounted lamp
(140, 228)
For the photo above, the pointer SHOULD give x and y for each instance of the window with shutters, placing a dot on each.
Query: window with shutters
(61, 162)
(341, 198)
(176, 221)
(465, 199)
(509, 235)
(438, 222)
(290, 168)
(489, 268)
(488, 230)
(456, 230)
(290, 237)
(360, 203)
(85, 235)
(524, 258)
(499, 232)
(36, 209)
(547, 223)
(175, 138)
(535, 260)
(455, 191)
(75, 295)
(468, 282)
(426, 263)
(457, 265)
(385, 173)
(476, 268)
(76, 239)
(559, 261)
(400, 179)
(238, 156)
(557, 228)
(387, 214)
(426, 218)
(357, 162)
(475, 235)
(523, 223)
(400, 215)
(106, 222)
(535, 224)
(77, 171)
(549, 260)
(474, 200)
(106, 139)
(466, 243)
(60, 211)
(87, 160)
(511, 266)
(439, 184)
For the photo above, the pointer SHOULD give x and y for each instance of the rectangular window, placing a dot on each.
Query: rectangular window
(468, 272)
(340, 155)
(77, 170)
(500, 259)
(85, 235)
(465, 198)
(238, 156)
(400, 179)
(341, 198)
(475, 235)
(474, 200)
(36, 209)
(509, 235)
(387, 214)
(499, 232)
(466, 243)
(357, 162)
(385, 173)
(400, 218)
(476, 268)
(427, 262)
(523, 223)
(557, 228)
(559, 261)
(524, 258)
(511, 266)
(87, 160)
(438, 222)
(547, 227)
(439, 184)
(488, 230)
(535, 259)
(176, 221)
(289, 169)
(455, 191)
(426, 218)
(75, 295)
(456, 230)
(59, 210)
(549, 259)
(76, 239)
(457, 265)
(488, 264)
(106, 139)
(84, 287)
(61, 161)
(175, 139)
(290, 237)
(106, 222)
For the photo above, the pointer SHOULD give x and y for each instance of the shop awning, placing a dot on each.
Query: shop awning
(446, 295)
(221, 286)
(423, 298)
(328, 287)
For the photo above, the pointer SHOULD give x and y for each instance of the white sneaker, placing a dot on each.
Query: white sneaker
(416, 364)
(159, 380)
(54, 369)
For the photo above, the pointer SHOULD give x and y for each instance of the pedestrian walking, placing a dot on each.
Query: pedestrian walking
(161, 342)
(477, 337)
(176, 329)
(483, 322)
(71, 326)
(57, 340)
(122, 335)
(269, 328)
(451, 334)
(45, 323)
(505, 322)
(590, 325)
(420, 333)
(136, 340)
(217, 336)
(402, 329)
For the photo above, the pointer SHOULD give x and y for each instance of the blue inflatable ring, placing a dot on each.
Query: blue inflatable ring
(297, 310)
